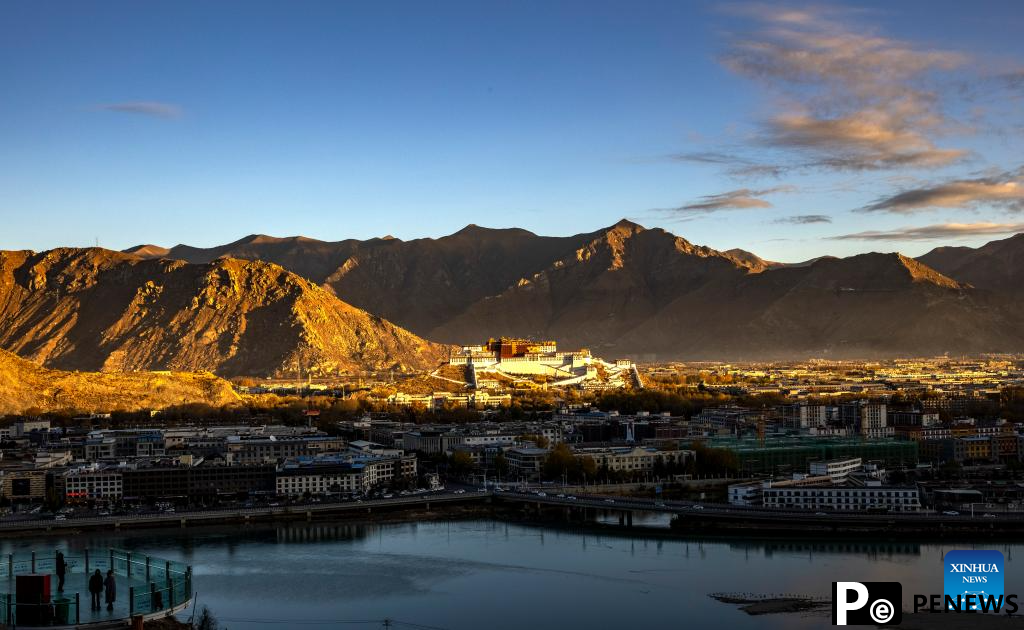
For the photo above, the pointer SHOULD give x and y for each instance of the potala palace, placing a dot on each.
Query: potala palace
(523, 360)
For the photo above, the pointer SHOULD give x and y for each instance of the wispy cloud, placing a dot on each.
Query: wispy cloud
(740, 199)
(940, 231)
(851, 99)
(736, 165)
(1003, 190)
(144, 108)
(804, 219)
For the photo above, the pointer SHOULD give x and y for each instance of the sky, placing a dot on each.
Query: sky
(792, 131)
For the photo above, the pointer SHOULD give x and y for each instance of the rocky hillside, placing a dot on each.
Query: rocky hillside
(97, 310)
(630, 291)
(24, 385)
(996, 266)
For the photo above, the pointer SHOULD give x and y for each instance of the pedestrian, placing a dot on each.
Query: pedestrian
(110, 585)
(62, 569)
(95, 588)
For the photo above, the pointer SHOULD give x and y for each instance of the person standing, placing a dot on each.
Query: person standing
(62, 569)
(95, 588)
(110, 586)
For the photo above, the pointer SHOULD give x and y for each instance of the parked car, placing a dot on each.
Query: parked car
(951, 513)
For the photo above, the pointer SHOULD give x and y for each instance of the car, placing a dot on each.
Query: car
(560, 496)
(389, 496)
(609, 500)
(571, 498)
(951, 513)
(60, 517)
(698, 507)
(659, 504)
(459, 492)
(821, 513)
(542, 494)
(987, 515)
(104, 513)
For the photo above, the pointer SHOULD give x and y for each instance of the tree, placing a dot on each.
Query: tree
(207, 621)
(461, 463)
(560, 462)
(501, 465)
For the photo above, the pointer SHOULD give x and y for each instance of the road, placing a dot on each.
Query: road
(214, 515)
(694, 510)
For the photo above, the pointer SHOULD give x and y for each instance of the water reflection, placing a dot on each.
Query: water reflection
(473, 574)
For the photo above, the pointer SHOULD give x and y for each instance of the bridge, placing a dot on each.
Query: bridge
(701, 516)
(688, 515)
(213, 516)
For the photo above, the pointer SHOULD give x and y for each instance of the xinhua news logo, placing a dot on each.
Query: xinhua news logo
(977, 573)
(867, 603)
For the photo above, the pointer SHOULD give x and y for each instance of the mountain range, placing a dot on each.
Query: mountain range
(285, 306)
(646, 293)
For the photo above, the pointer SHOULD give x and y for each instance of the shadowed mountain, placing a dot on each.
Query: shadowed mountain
(871, 305)
(995, 266)
(627, 290)
(97, 310)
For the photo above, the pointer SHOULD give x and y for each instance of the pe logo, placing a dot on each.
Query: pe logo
(973, 576)
(867, 603)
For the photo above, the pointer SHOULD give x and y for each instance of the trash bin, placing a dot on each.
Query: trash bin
(61, 607)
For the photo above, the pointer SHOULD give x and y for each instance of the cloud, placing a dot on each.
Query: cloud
(144, 108)
(934, 232)
(1014, 80)
(804, 219)
(738, 166)
(739, 199)
(869, 139)
(851, 99)
(1004, 190)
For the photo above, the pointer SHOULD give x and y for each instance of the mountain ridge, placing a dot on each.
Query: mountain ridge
(630, 290)
(98, 310)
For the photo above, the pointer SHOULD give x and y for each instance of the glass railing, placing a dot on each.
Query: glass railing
(145, 585)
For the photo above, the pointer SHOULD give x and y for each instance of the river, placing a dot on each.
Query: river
(469, 575)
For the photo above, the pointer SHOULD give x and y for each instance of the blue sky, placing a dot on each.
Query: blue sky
(790, 131)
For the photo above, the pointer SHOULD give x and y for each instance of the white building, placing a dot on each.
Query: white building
(345, 475)
(843, 499)
(837, 469)
(633, 458)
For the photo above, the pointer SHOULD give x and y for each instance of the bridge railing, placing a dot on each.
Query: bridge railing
(153, 584)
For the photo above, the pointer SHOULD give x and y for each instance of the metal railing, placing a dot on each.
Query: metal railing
(153, 584)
